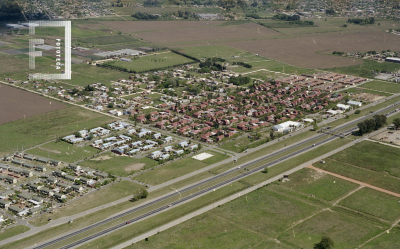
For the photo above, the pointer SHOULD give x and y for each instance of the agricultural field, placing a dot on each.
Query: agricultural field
(45, 127)
(105, 40)
(145, 26)
(149, 62)
(280, 215)
(364, 69)
(119, 165)
(304, 51)
(208, 35)
(18, 104)
(178, 168)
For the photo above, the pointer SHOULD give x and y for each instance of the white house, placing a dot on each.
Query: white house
(343, 107)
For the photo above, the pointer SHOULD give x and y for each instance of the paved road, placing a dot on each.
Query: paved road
(209, 189)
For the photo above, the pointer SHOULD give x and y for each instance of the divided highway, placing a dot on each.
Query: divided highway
(209, 189)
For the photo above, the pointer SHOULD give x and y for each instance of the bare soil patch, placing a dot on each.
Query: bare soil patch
(136, 166)
(49, 150)
(388, 136)
(303, 51)
(101, 158)
(18, 104)
(368, 97)
(147, 26)
(209, 34)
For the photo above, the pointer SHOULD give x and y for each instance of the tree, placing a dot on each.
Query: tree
(110, 105)
(357, 112)
(396, 123)
(271, 134)
(265, 170)
(315, 126)
(325, 243)
(91, 136)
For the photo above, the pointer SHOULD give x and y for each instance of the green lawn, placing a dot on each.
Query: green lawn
(149, 62)
(220, 51)
(383, 86)
(345, 231)
(178, 168)
(369, 155)
(119, 165)
(12, 231)
(374, 203)
(103, 196)
(64, 151)
(44, 127)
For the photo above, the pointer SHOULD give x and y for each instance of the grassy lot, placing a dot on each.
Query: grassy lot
(105, 40)
(150, 62)
(356, 90)
(178, 168)
(365, 68)
(12, 231)
(386, 240)
(44, 127)
(345, 231)
(112, 193)
(374, 203)
(84, 74)
(379, 179)
(383, 86)
(118, 165)
(64, 151)
(246, 222)
(369, 155)
(322, 186)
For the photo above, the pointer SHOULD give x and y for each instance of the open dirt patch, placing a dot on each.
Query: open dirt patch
(51, 151)
(369, 97)
(136, 166)
(100, 158)
(388, 136)
(18, 104)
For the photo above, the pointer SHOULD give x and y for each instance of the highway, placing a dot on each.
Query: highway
(351, 124)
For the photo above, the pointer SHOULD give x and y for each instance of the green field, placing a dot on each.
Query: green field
(263, 219)
(220, 51)
(105, 40)
(345, 231)
(64, 151)
(386, 240)
(12, 231)
(118, 165)
(384, 206)
(178, 168)
(365, 68)
(390, 87)
(368, 155)
(149, 62)
(44, 127)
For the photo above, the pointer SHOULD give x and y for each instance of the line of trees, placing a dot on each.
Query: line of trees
(111, 65)
(10, 10)
(373, 124)
(284, 17)
(185, 55)
(242, 64)
(360, 21)
(144, 16)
